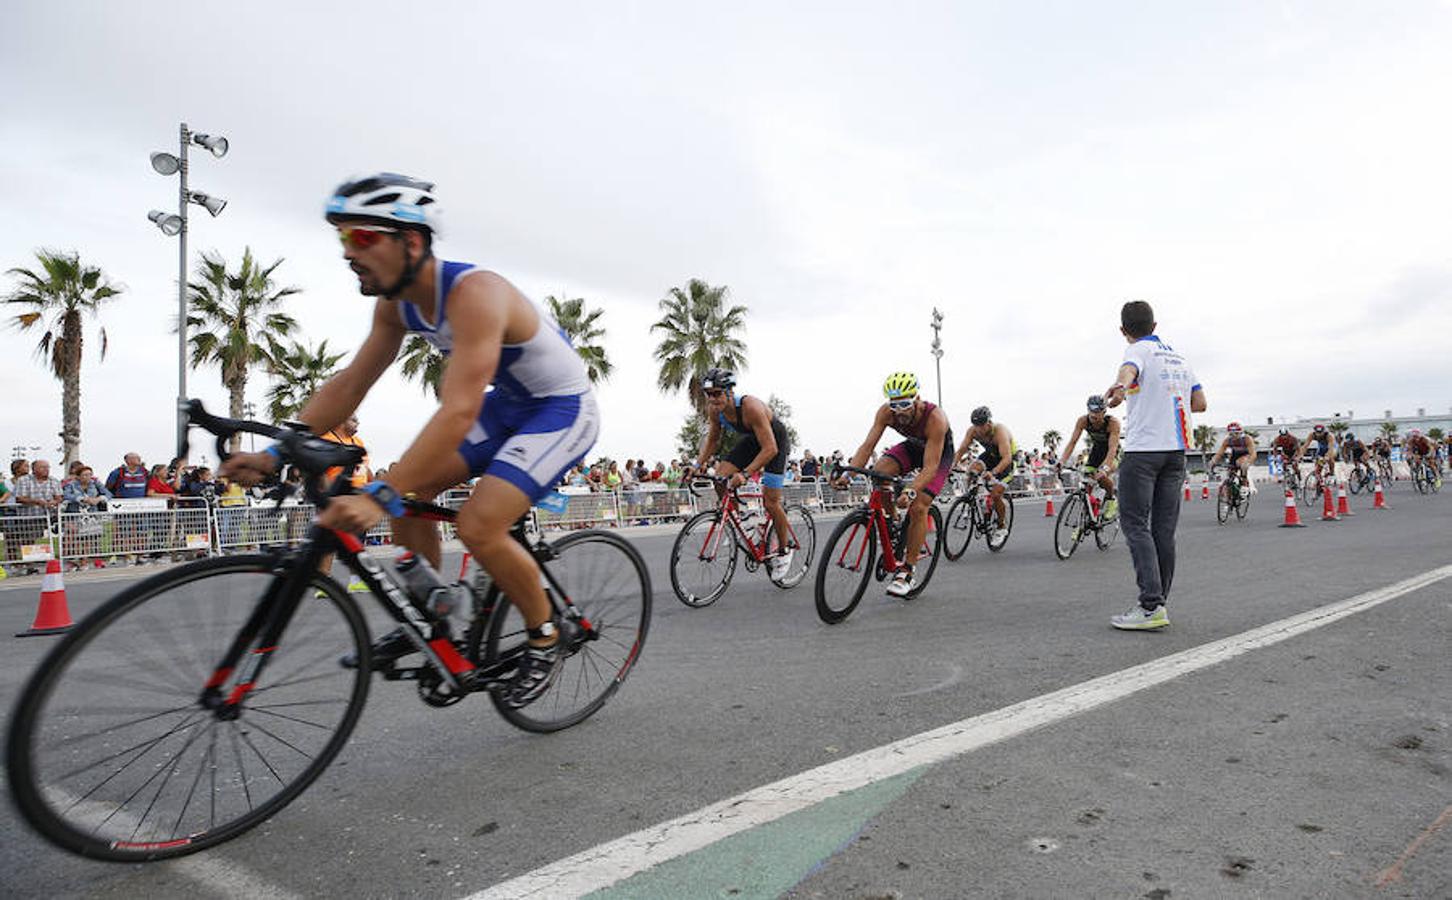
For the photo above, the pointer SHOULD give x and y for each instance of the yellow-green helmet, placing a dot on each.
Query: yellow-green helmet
(899, 385)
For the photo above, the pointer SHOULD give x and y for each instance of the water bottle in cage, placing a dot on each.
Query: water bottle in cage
(1094, 502)
(428, 590)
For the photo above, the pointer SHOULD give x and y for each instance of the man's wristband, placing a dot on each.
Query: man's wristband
(273, 452)
(385, 496)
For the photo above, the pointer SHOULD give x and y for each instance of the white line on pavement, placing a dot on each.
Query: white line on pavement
(609, 863)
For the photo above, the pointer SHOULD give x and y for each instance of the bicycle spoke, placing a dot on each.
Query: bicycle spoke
(287, 717)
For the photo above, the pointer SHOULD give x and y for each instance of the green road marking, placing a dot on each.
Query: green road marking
(768, 860)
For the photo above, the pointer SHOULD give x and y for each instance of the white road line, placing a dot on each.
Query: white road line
(617, 860)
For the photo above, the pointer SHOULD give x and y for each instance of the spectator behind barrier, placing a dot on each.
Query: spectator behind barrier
(84, 493)
(128, 480)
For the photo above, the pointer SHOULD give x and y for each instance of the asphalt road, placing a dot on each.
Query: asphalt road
(1317, 766)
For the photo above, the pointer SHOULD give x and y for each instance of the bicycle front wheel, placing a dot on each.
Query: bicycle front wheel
(957, 528)
(1069, 526)
(112, 753)
(703, 559)
(847, 564)
(1224, 502)
(802, 531)
(606, 582)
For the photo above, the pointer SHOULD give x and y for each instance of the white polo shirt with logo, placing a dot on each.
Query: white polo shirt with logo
(1157, 417)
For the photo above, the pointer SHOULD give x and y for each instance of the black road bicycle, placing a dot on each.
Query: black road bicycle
(1081, 515)
(196, 704)
(1231, 497)
(972, 513)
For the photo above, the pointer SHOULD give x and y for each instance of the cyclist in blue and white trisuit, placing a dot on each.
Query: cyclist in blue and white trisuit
(538, 421)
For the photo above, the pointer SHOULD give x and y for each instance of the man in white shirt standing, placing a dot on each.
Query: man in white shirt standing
(1161, 391)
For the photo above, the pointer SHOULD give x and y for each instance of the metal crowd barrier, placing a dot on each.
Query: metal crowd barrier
(153, 527)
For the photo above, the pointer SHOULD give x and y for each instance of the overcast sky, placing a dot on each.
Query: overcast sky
(1273, 177)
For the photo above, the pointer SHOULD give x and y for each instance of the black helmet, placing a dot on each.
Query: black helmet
(1095, 403)
(982, 415)
(718, 379)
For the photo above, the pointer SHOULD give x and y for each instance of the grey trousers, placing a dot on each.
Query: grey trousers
(1149, 511)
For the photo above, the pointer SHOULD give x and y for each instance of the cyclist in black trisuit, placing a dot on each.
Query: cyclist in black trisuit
(1102, 431)
(763, 447)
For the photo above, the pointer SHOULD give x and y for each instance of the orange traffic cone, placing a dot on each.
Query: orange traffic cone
(1205, 491)
(1328, 509)
(1380, 498)
(1187, 491)
(1293, 515)
(1343, 508)
(1049, 506)
(52, 617)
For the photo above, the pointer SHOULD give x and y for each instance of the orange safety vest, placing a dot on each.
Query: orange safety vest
(361, 474)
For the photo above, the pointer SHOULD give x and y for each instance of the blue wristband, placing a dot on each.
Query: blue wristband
(385, 496)
(276, 453)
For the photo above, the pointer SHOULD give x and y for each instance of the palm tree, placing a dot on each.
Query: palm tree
(1338, 428)
(57, 296)
(578, 324)
(1205, 440)
(424, 363)
(699, 332)
(1436, 434)
(237, 320)
(1389, 431)
(1051, 440)
(300, 370)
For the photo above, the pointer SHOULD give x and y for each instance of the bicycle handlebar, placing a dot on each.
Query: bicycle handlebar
(875, 475)
(310, 453)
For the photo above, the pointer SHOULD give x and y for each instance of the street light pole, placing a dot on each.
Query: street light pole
(938, 351)
(181, 297)
(177, 225)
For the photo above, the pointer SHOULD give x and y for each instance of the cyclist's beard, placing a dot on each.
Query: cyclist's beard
(410, 272)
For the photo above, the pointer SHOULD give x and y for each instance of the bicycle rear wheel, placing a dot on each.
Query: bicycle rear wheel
(847, 563)
(928, 553)
(608, 584)
(998, 540)
(803, 530)
(703, 559)
(957, 528)
(1069, 526)
(112, 753)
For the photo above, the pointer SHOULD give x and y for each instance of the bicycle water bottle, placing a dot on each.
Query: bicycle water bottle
(1094, 503)
(426, 587)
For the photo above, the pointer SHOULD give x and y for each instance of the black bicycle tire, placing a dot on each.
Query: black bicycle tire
(42, 682)
(1071, 507)
(1222, 503)
(726, 540)
(1007, 531)
(959, 507)
(521, 718)
(805, 561)
(1106, 532)
(858, 517)
(935, 520)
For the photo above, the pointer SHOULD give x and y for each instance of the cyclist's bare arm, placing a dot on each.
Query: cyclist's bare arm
(1219, 451)
(339, 396)
(874, 434)
(1074, 438)
(755, 414)
(484, 312)
(1197, 401)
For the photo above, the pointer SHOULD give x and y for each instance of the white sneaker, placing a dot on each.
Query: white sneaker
(901, 584)
(778, 566)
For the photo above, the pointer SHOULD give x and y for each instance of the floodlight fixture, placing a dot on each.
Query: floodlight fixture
(216, 144)
(169, 223)
(165, 163)
(213, 205)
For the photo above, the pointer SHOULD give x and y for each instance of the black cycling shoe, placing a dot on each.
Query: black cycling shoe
(392, 646)
(532, 678)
